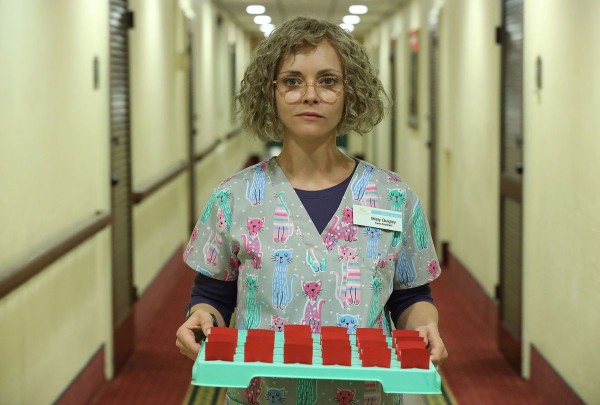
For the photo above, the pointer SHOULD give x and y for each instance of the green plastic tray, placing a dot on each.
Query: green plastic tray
(237, 373)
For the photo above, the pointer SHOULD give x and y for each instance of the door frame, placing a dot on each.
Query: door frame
(123, 290)
(510, 300)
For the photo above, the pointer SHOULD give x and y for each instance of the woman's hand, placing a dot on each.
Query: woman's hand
(434, 343)
(193, 331)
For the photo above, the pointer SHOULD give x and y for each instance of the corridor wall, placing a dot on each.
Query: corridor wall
(54, 165)
(561, 196)
(561, 152)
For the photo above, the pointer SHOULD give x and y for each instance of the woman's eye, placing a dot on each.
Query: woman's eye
(328, 81)
(292, 82)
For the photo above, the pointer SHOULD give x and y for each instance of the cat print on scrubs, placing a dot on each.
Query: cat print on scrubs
(349, 289)
(348, 321)
(312, 309)
(348, 230)
(392, 176)
(433, 268)
(252, 242)
(419, 227)
(332, 235)
(306, 392)
(384, 259)
(253, 391)
(255, 191)
(275, 396)
(405, 269)
(359, 184)
(221, 222)
(345, 397)
(190, 245)
(377, 317)
(282, 286)
(374, 309)
(234, 264)
(211, 248)
(314, 263)
(397, 198)
(373, 235)
(371, 197)
(282, 227)
(252, 315)
(208, 208)
(222, 199)
(278, 323)
(341, 229)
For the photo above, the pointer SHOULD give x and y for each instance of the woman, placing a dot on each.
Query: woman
(279, 242)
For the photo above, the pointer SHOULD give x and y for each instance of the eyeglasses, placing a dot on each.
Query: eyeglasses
(293, 88)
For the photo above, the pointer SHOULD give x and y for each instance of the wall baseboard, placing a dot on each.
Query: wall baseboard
(482, 306)
(86, 384)
(544, 379)
(549, 383)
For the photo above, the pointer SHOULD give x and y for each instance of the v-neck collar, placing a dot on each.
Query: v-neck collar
(280, 177)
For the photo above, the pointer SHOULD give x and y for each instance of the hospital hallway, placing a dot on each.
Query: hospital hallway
(120, 130)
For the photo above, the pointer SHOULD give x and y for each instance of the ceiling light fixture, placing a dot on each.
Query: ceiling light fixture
(358, 9)
(351, 19)
(262, 19)
(255, 9)
(347, 27)
(266, 28)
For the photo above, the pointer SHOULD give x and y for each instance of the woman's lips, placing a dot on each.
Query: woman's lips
(310, 115)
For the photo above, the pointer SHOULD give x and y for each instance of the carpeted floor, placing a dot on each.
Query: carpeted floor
(156, 372)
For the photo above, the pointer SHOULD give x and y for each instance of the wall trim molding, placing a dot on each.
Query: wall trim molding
(36, 263)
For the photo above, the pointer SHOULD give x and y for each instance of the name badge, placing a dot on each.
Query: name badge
(377, 218)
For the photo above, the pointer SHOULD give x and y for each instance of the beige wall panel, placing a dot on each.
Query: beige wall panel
(54, 124)
(159, 133)
(471, 108)
(158, 93)
(561, 194)
(59, 320)
(160, 228)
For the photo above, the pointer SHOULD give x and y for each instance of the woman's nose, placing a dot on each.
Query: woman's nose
(310, 95)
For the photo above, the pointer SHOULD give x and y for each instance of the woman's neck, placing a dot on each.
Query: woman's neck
(314, 166)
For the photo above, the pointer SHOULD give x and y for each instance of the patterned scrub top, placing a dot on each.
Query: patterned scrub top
(255, 229)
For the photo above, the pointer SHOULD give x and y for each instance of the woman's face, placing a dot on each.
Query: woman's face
(315, 115)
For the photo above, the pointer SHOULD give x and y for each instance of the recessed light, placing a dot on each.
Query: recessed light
(351, 19)
(262, 19)
(255, 9)
(358, 9)
(266, 28)
(347, 27)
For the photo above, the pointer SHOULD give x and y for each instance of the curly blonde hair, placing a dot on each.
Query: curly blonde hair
(365, 100)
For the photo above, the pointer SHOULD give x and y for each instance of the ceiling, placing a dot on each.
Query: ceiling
(332, 10)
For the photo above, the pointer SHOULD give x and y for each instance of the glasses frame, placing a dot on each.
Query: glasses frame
(314, 84)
